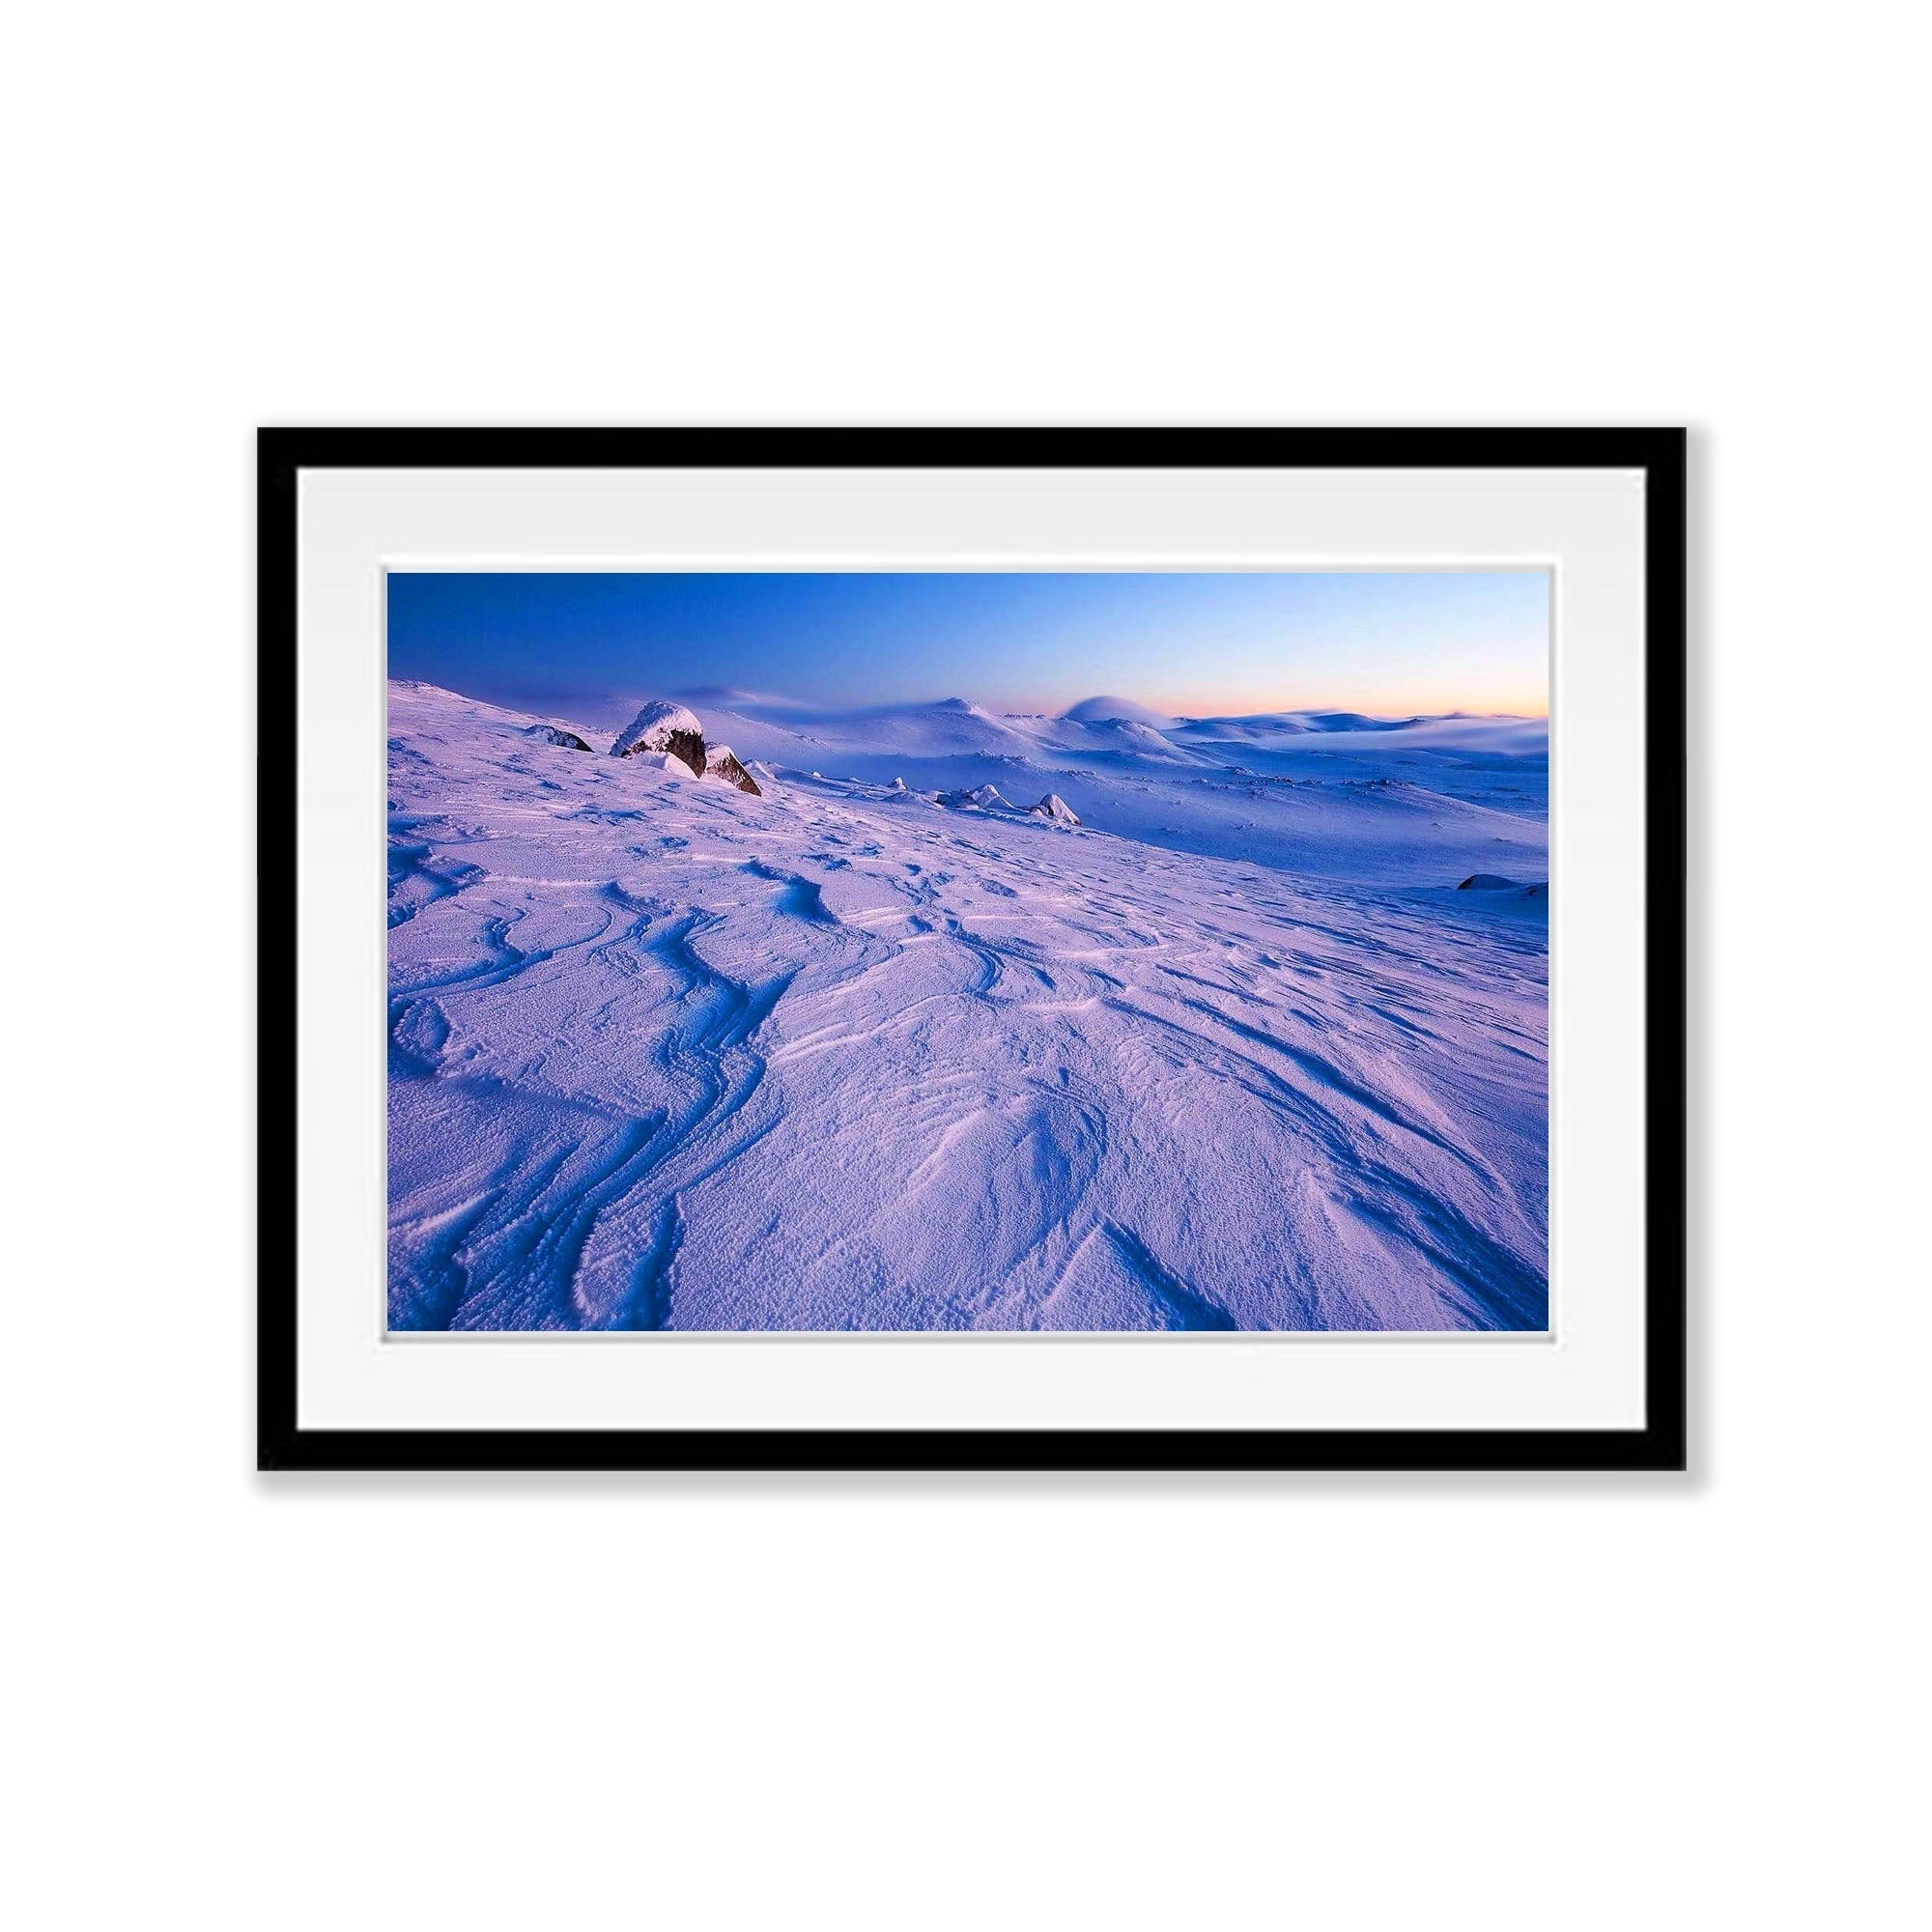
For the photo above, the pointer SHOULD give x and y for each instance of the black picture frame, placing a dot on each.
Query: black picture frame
(1660, 1445)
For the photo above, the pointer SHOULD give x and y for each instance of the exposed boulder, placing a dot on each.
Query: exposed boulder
(1487, 881)
(718, 763)
(555, 734)
(667, 727)
(1055, 807)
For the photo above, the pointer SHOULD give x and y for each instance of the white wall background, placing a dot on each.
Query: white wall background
(1334, 1703)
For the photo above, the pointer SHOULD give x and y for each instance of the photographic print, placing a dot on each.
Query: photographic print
(931, 953)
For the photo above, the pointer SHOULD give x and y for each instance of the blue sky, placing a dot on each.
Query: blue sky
(1198, 644)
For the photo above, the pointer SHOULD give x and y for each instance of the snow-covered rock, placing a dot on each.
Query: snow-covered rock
(555, 734)
(1055, 807)
(983, 798)
(718, 763)
(664, 727)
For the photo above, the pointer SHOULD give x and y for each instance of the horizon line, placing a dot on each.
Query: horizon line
(725, 698)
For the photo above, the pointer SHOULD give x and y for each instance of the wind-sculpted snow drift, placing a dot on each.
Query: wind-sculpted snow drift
(1232, 1051)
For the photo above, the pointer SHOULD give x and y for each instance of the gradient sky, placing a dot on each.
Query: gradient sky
(1195, 645)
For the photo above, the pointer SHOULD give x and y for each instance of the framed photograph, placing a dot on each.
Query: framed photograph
(972, 949)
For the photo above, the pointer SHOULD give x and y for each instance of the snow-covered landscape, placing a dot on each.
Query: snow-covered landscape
(937, 1016)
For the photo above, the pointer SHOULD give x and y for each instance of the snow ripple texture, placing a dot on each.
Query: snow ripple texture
(666, 1055)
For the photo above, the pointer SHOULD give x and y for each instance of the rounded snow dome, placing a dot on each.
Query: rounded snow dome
(1109, 710)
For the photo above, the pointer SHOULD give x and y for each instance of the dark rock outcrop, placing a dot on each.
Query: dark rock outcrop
(688, 747)
(718, 763)
(555, 734)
